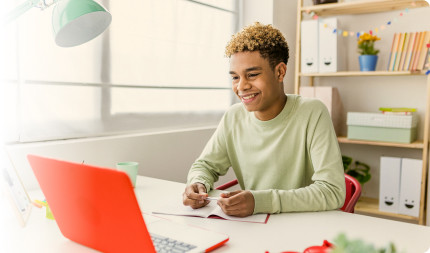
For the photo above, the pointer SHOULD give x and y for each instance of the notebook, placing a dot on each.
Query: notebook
(97, 207)
(212, 210)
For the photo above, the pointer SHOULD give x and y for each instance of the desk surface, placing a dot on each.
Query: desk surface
(288, 231)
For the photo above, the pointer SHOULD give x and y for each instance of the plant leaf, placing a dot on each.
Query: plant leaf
(358, 170)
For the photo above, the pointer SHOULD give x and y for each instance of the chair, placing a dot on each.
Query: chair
(353, 192)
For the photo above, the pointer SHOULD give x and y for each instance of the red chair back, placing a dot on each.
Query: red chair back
(353, 192)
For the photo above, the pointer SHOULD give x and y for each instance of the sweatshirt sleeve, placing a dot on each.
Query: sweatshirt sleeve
(213, 161)
(327, 190)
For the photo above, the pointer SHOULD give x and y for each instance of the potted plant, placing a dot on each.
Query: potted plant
(343, 244)
(368, 54)
(358, 170)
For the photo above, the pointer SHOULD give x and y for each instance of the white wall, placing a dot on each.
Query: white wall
(256, 11)
(285, 19)
(282, 15)
(165, 155)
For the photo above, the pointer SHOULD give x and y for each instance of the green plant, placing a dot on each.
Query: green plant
(356, 169)
(366, 44)
(345, 245)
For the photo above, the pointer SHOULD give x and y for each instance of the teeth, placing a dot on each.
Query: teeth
(249, 97)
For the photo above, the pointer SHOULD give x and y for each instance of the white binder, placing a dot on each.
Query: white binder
(309, 46)
(329, 46)
(410, 187)
(389, 184)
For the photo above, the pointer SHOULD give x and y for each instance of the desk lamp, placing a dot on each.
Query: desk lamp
(74, 22)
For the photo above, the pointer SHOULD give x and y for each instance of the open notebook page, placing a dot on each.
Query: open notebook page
(177, 208)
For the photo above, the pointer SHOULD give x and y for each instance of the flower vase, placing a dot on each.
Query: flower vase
(368, 62)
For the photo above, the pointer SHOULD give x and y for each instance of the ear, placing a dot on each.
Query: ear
(280, 71)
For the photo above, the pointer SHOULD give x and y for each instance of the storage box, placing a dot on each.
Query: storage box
(331, 98)
(382, 127)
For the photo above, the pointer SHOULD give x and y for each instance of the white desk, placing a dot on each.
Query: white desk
(288, 231)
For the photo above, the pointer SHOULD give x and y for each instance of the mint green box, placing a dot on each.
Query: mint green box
(382, 127)
(388, 134)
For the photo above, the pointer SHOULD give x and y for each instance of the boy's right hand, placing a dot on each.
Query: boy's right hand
(195, 195)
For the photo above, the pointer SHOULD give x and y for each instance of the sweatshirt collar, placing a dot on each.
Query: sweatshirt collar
(291, 99)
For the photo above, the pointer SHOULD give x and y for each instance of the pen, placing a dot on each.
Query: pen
(212, 198)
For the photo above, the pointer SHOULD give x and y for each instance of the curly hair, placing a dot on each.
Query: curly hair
(266, 39)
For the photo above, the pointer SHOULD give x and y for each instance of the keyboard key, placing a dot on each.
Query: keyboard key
(167, 245)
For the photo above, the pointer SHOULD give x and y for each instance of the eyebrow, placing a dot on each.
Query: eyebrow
(247, 70)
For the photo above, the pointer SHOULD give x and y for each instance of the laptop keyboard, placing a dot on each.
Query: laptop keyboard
(164, 244)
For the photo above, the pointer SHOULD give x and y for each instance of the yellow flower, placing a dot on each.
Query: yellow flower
(367, 37)
(366, 42)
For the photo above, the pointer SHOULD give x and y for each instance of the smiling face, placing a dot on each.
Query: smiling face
(409, 203)
(389, 201)
(257, 85)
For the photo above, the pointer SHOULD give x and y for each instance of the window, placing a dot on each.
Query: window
(159, 65)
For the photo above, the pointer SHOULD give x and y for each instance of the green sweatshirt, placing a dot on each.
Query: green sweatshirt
(289, 163)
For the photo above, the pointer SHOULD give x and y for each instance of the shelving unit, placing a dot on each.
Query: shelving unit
(415, 144)
(363, 73)
(362, 7)
(368, 205)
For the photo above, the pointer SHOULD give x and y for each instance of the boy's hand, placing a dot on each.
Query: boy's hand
(195, 195)
(237, 203)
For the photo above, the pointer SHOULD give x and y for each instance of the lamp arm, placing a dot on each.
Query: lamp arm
(24, 7)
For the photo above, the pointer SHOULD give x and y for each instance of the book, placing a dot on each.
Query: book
(423, 51)
(393, 51)
(397, 110)
(212, 210)
(399, 51)
(404, 51)
(396, 113)
(408, 57)
(414, 50)
(417, 51)
(427, 61)
(390, 56)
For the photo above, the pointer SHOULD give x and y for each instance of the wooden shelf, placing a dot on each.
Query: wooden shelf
(364, 73)
(415, 144)
(362, 7)
(371, 206)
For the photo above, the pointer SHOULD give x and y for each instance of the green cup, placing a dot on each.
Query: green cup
(130, 168)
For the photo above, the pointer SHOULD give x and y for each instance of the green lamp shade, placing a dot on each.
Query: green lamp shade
(78, 21)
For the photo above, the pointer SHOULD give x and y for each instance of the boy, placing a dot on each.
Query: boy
(282, 148)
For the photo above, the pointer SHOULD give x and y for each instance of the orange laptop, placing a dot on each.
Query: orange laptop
(97, 207)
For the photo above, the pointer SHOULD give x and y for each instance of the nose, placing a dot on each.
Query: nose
(243, 84)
